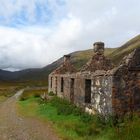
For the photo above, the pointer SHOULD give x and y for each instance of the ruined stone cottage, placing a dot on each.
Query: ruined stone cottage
(99, 86)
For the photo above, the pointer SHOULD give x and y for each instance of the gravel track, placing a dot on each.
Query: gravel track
(15, 127)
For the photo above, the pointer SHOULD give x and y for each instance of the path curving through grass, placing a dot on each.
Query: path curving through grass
(15, 127)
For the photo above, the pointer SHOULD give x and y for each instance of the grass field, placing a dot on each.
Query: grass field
(72, 123)
(8, 89)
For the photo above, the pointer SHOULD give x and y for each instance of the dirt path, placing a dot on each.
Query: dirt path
(13, 127)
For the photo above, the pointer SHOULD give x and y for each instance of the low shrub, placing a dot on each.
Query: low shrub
(77, 111)
(64, 107)
(86, 118)
(87, 130)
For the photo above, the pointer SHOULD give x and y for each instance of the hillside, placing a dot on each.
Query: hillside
(125, 49)
(78, 58)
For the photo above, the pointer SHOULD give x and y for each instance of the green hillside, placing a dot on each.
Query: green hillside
(124, 50)
(80, 58)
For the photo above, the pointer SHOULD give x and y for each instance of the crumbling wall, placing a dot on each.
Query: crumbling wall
(99, 87)
(101, 90)
(79, 91)
(126, 92)
(52, 83)
(66, 92)
(57, 84)
(102, 94)
(136, 93)
(63, 71)
(126, 85)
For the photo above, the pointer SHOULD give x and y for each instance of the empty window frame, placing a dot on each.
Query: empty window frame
(62, 84)
(51, 81)
(87, 91)
(56, 85)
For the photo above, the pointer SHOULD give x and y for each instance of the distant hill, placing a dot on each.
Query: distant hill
(78, 58)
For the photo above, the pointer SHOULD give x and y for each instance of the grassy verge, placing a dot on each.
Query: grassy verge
(73, 124)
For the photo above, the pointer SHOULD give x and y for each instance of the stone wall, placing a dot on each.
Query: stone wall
(99, 87)
(126, 85)
(102, 94)
(126, 93)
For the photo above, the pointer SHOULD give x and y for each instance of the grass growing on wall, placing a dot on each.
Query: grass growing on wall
(73, 124)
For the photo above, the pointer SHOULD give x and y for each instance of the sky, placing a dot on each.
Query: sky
(34, 33)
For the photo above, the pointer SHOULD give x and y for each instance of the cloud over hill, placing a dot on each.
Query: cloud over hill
(34, 33)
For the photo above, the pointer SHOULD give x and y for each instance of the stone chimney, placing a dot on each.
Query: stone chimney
(99, 48)
(67, 59)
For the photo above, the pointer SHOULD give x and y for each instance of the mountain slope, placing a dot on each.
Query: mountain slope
(78, 59)
(125, 49)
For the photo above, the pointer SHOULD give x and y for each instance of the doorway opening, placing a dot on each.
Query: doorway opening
(51, 81)
(72, 90)
(56, 85)
(62, 84)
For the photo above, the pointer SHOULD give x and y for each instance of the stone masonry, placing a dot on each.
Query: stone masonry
(99, 87)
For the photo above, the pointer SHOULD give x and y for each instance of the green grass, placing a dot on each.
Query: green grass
(28, 107)
(2, 99)
(73, 124)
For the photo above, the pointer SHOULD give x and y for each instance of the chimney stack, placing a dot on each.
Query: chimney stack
(99, 48)
(66, 59)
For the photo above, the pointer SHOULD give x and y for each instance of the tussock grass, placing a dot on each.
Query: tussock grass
(33, 93)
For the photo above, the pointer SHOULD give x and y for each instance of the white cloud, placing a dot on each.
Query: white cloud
(73, 25)
(23, 48)
(113, 21)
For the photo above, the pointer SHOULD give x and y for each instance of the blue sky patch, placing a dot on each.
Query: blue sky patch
(41, 14)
